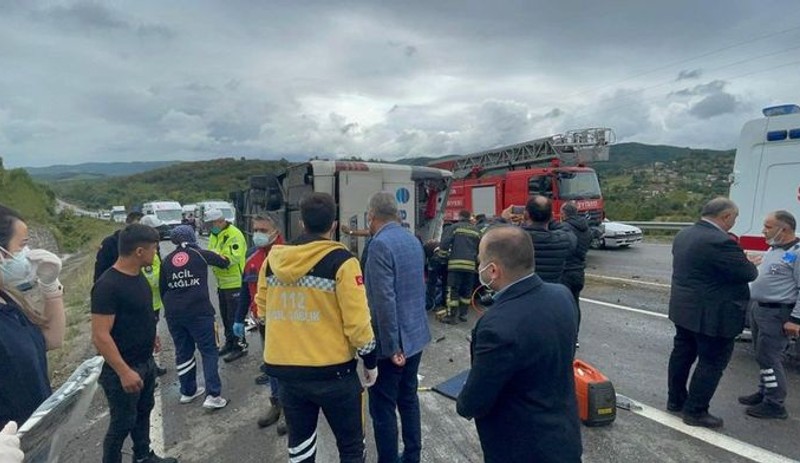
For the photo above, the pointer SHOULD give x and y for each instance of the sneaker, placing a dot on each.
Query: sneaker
(185, 399)
(752, 399)
(215, 402)
(767, 410)
(235, 354)
(153, 458)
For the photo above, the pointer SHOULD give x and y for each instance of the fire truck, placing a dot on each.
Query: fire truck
(766, 172)
(489, 181)
(421, 194)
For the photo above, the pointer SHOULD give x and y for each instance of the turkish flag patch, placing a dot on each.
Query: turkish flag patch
(359, 280)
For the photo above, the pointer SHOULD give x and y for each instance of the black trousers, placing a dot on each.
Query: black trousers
(129, 412)
(574, 280)
(228, 303)
(712, 355)
(340, 399)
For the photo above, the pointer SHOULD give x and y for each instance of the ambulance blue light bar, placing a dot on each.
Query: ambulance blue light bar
(781, 110)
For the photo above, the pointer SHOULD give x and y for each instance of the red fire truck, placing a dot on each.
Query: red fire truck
(556, 166)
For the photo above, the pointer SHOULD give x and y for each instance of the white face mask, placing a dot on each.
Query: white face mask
(480, 276)
(17, 270)
(773, 241)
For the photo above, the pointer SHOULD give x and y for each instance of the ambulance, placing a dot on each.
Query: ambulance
(766, 172)
(168, 212)
(421, 194)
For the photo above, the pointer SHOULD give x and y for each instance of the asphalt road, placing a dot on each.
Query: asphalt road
(630, 347)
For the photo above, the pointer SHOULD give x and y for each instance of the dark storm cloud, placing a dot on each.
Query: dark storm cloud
(714, 105)
(686, 74)
(192, 79)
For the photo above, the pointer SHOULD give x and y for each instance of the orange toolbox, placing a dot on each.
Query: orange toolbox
(597, 401)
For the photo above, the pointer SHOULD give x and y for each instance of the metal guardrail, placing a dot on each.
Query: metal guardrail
(660, 225)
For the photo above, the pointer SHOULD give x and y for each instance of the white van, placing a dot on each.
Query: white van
(766, 172)
(170, 213)
(228, 211)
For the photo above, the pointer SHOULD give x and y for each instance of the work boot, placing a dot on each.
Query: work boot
(752, 399)
(462, 313)
(273, 414)
(153, 458)
(767, 410)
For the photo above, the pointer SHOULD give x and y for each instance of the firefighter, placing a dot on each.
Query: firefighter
(228, 241)
(461, 242)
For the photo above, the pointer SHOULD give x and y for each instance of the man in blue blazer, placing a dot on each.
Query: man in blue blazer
(395, 286)
(521, 388)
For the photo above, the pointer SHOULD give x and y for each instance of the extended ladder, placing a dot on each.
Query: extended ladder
(571, 147)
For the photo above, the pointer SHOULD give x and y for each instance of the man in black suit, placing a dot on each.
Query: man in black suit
(707, 303)
(521, 388)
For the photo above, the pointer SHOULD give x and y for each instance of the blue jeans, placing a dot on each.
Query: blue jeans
(396, 391)
(190, 333)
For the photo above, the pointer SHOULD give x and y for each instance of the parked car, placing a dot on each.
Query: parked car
(617, 235)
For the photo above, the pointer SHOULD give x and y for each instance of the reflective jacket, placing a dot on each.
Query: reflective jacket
(312, 296)
(229, 243)
(152, 272)
(462, 242)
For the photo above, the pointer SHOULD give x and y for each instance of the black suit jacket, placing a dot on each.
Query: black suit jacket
(521, 388)
(710, 273)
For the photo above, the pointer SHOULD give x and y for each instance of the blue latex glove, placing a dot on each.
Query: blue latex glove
(238, 330)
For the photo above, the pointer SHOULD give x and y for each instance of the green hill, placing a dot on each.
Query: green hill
(186, 182)
(93, 170)
(36, 203)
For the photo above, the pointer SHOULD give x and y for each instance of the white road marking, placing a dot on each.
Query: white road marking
(714, 438)
(157, 425)
(623, 307)
(628, 280)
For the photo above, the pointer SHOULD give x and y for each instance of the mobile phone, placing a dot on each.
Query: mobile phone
(517, 209)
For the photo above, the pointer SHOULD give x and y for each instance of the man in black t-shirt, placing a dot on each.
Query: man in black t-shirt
(124, 331)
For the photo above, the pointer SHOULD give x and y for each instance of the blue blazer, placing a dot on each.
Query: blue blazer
(395, 283)
(521, 388)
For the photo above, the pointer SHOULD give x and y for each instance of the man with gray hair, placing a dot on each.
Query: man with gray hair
(396, 294)
(707, 304)
(521, 388)
(775, 301)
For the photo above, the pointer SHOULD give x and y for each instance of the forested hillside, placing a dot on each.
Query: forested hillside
(186, 182)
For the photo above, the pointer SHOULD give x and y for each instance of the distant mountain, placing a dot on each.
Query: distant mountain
(94, 170)
(187, 182)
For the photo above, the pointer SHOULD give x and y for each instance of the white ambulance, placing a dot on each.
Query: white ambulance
(766, 172)
(421, 194)
(170, 213)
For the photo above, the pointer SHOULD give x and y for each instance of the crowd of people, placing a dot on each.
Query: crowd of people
(333, 327)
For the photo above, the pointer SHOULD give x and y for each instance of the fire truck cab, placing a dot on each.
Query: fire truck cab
(766, 172)
(490, 181)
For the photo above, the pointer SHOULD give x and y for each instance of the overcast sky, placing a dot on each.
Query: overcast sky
(145, 80)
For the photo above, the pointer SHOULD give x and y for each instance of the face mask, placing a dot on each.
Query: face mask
(773, 241)
(480, 276)
(215, 230)
(261, 239)
(17, 270)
